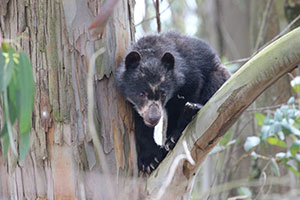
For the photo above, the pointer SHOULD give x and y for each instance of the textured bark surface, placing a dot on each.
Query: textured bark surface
(62, 163)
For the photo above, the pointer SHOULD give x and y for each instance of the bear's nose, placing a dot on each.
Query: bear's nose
(154, 118)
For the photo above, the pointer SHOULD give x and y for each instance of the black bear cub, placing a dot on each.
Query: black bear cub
(168, 74)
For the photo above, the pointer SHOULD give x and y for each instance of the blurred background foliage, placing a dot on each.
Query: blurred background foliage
(259, 156)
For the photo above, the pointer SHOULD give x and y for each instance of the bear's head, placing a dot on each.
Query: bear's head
(148, 82)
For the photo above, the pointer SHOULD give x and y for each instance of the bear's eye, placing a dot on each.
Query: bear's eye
(163, 94)
(142, 94)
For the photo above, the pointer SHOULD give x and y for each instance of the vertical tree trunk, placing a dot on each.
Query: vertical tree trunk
(232, 42)
(62, 163)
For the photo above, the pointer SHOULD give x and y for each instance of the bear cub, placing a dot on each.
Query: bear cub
(168, 76)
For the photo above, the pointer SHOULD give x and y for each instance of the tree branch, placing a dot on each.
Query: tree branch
(223, 109)
(156, 3)
(264, 24)
(284, 31)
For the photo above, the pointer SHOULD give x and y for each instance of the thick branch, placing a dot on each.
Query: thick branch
(223, 109)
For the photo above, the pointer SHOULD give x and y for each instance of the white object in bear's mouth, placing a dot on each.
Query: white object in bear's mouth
(158, 132)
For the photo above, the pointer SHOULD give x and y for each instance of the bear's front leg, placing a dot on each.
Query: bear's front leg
(189, 111)
(149, 153)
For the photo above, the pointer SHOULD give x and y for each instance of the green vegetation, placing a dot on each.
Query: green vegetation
(280, 129)
(16, 99)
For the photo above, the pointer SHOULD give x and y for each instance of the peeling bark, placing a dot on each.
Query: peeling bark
(62, 163)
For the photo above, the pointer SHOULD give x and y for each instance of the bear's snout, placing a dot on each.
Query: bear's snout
(153, 115)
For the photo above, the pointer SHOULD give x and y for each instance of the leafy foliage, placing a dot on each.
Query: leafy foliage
(17, 98)
(224, 143)
(251, 142)
(281, 129)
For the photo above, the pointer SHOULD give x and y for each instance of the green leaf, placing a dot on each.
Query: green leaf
(278, 115)
(280, 155)
(296, 84)
(295, 148)
(245, 191)
(226, 138)
(268, 120)
(296, 88)
(297, 158)
(291, 114)
(5, 145)
(288, 154)
(265, 132)
(277, 142)
(272, 130)
(5, 47)
(6, 71)
(26, 93)
(220, 148)
(24, 145)
(281, 135)
(217, 149)
(260, 118)
(275, 167)
(251, 142)
(291, 100)
(230, 143)
(293, 169)
(289, 129)
(2, 63)
(14, 98)
(297, 122)
(295, 131)
(277, 127)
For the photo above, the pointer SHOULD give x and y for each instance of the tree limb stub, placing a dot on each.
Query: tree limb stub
(223, 109)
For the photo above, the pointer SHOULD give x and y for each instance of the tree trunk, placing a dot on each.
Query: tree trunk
(62, 162)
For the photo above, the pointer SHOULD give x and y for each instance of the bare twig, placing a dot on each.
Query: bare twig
(263, 177)
(215, 177)
(284, 31)
(174, 165)
(264, 24)
(153, 17)
(248, 154)
(245, 182)
(239, 197)
(156, 3)
(242, 60)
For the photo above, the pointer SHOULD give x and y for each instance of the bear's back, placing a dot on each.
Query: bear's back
(190, 52)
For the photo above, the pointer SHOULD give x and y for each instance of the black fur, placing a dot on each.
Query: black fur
(183, 69)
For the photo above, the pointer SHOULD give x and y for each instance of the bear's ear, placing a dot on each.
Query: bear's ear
(132, 59)
(168, 60)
